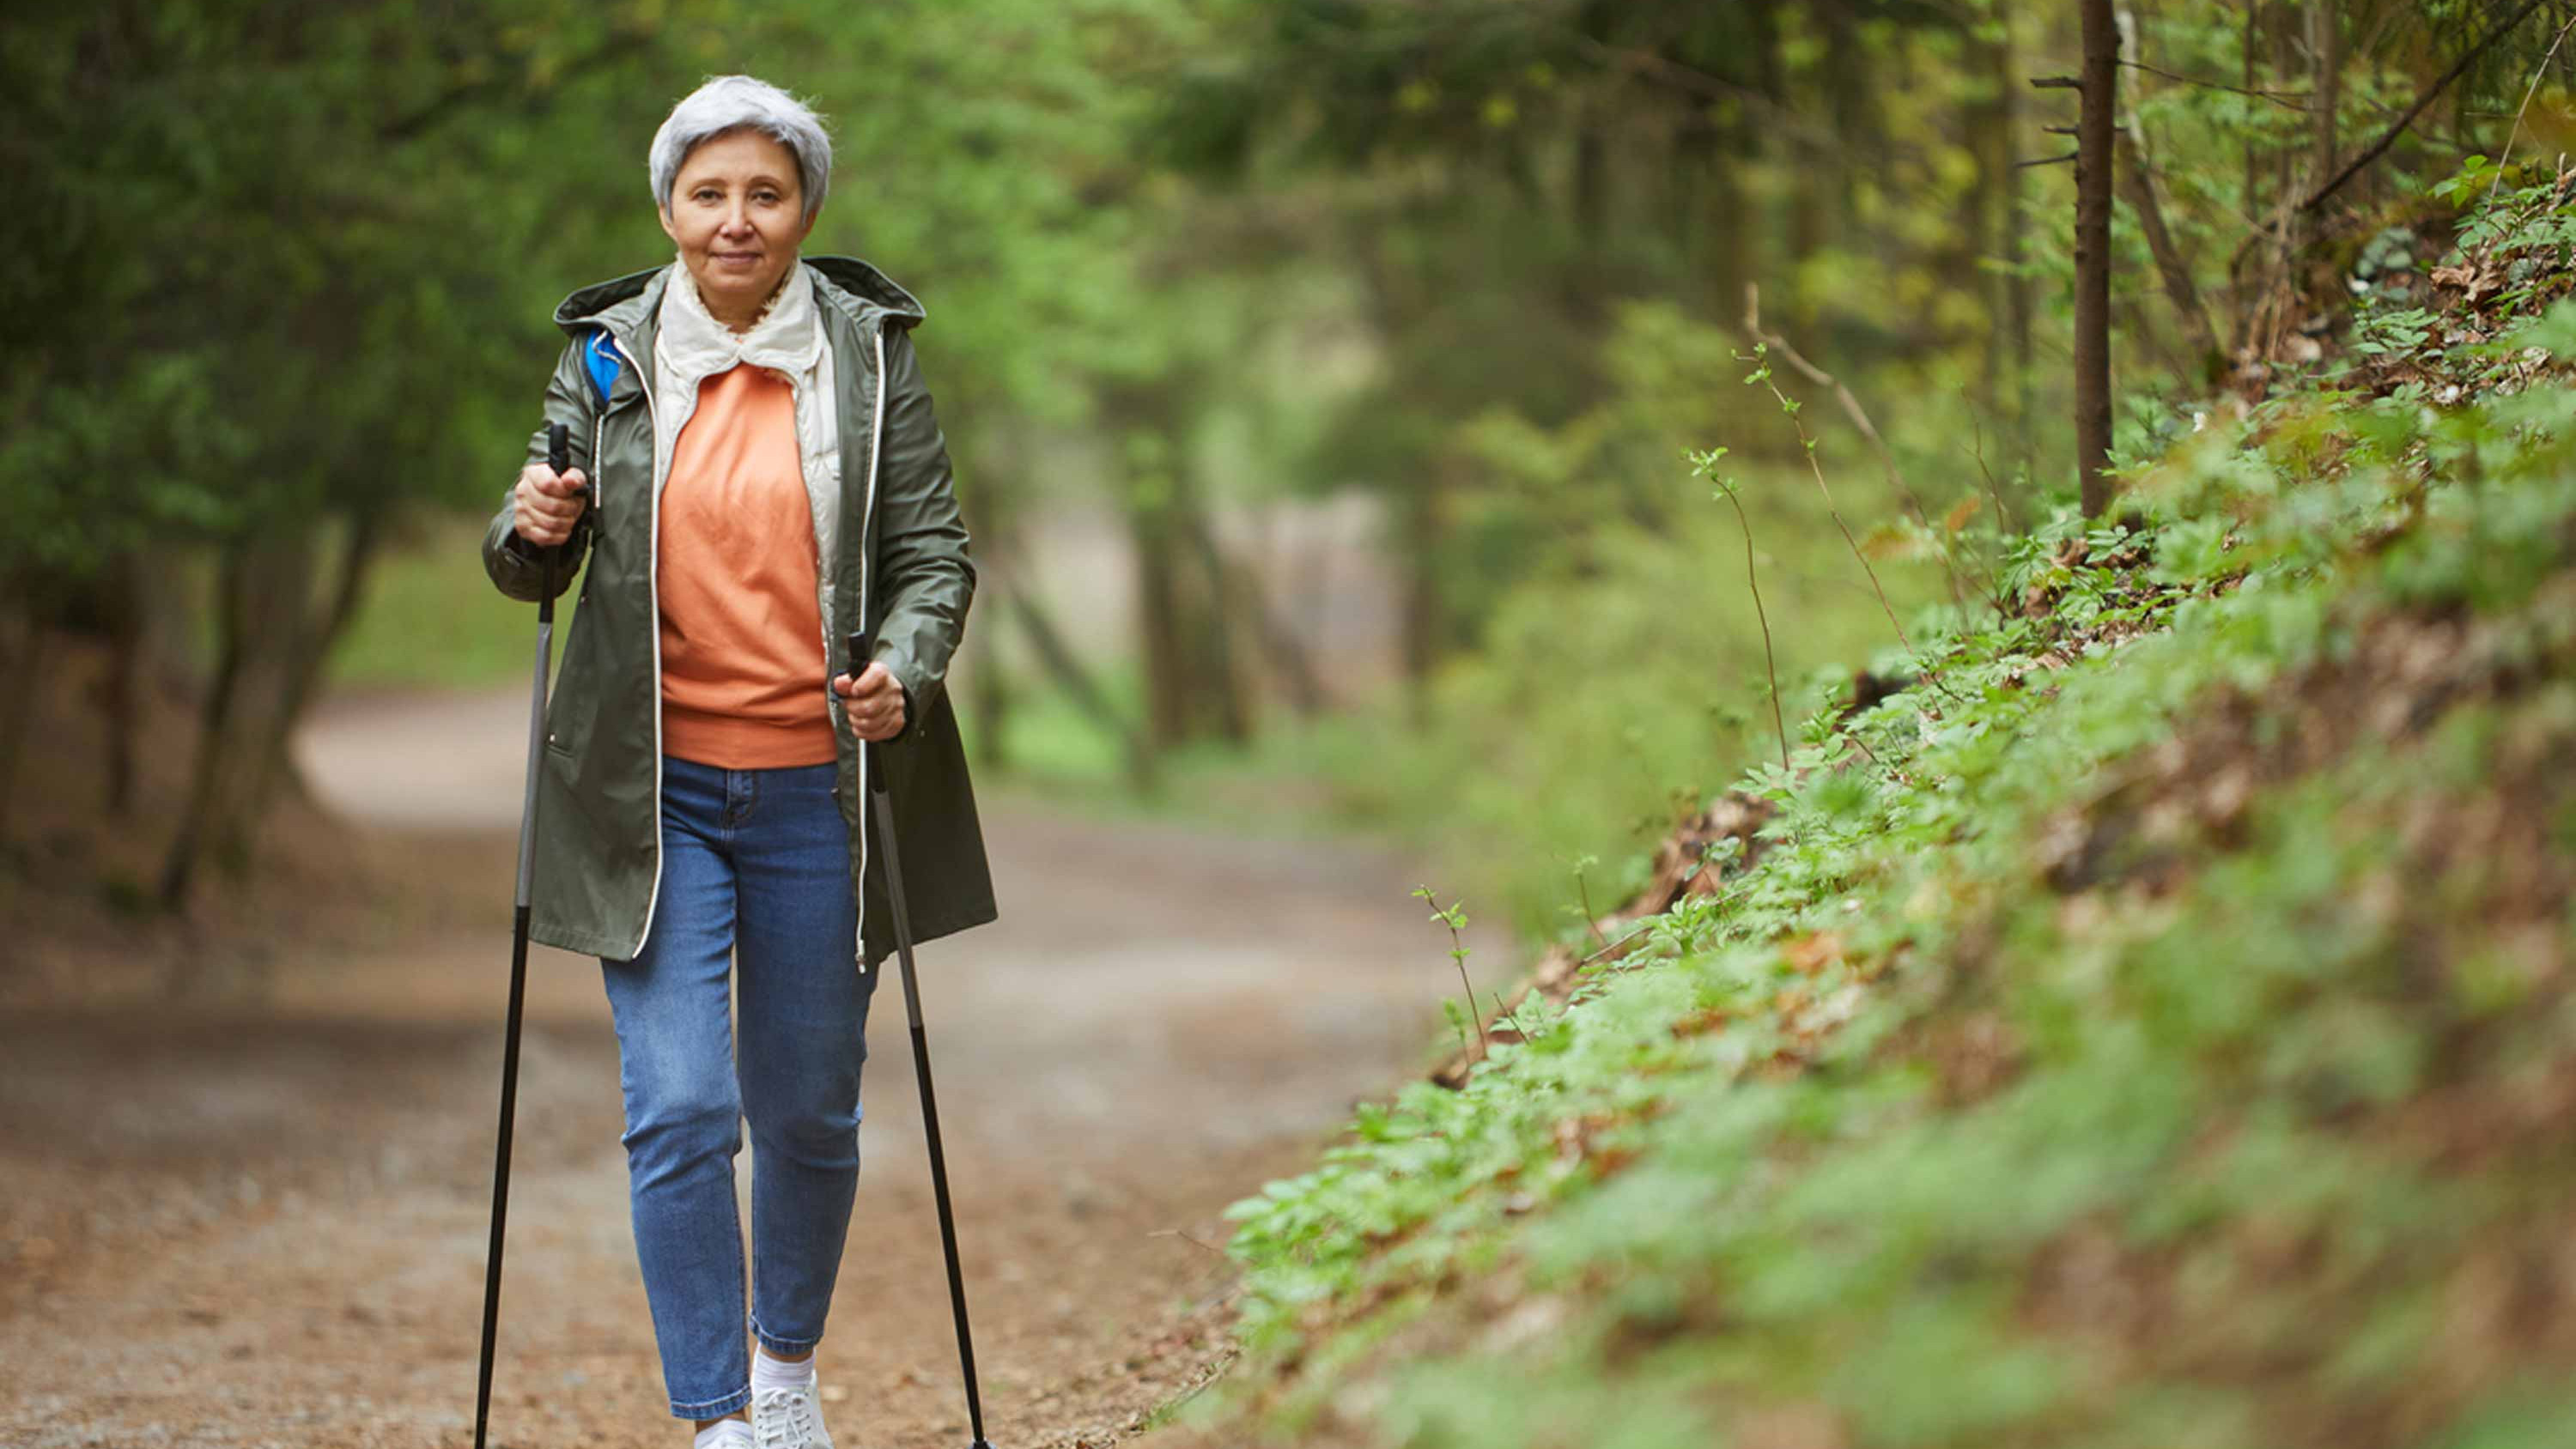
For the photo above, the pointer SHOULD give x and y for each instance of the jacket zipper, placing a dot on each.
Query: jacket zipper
(867, 511)
(598, 423)
(653, 625)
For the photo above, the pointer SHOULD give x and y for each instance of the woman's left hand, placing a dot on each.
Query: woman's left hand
(873, 702)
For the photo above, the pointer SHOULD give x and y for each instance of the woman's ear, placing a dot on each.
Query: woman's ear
(668, 230)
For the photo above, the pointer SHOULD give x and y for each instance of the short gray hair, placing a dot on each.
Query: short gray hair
(737, 103)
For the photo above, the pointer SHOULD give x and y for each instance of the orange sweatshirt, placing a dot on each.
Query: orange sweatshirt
(743, 661)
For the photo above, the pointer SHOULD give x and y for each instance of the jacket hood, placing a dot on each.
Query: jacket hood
(858, 288)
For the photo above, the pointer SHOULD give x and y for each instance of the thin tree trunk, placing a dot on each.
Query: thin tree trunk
(118, 721)
(2018, 309)
(304, 668)
(1222, 683)
(2093, 183)
(1731, 225)
(214, 728)
(2251, 45)
(1245, 603)
(280, 626)
(1000, 509)
(2285, 56)
(990, 688)
(1988, 144)
(1289, 656)
(1591, 183)
(1420, 542)
(18, 710)
(1158, 604)
(2137, 184)
(2325, 45)
(1059, 660)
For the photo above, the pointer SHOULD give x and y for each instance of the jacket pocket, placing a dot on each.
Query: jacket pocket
(572, 706)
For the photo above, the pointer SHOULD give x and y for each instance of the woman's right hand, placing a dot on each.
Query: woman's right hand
(549, 503)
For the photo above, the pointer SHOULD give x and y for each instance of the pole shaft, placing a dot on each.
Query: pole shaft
(501, 1175)
(884, 806)
(518, 982)
(536, 744)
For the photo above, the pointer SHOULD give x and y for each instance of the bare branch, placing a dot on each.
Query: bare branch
(1850, 405)
(2288, 100)
(1699, 82)
(2388, 138)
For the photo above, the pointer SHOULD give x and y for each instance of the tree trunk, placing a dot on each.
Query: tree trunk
(1424, 630)
(1728, 222)
(999, 508)
(214, 731)
(1591, 182)
(990, 687)
(312, 644)
(1816, 198)
(1159, 627)
(1221, 616)
(2018, 310)
(2093, 179)
(267, 632)
(1058, 659)
(2249, 48)
(1991, 147)
(18, 710)
(2285, 159)
(1287, 654)
(2325, 46)
(2137, 185)
(119, 724)
(284, 630)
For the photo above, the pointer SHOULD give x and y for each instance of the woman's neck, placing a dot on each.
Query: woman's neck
(739, 319)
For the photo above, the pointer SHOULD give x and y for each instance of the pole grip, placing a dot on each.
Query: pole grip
(854, 665)
(558, 457)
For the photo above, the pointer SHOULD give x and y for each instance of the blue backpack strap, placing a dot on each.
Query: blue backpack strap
(600, 358)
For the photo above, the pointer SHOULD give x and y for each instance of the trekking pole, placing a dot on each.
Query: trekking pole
(883, 806)
(558, 450)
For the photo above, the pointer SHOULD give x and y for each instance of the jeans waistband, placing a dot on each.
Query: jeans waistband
(782, 773)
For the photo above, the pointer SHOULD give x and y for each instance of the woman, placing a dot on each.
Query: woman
(764, 474)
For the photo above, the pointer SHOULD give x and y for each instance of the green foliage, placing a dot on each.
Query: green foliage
(2089, 1055)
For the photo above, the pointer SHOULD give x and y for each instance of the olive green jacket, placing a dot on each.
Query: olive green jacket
(598, 832)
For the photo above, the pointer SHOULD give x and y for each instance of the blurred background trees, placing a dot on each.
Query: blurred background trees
(1320, 372)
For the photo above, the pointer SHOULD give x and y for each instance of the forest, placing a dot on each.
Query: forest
(1800, 723)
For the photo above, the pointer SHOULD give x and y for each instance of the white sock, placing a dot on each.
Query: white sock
(725, 1434)
(776, 1373)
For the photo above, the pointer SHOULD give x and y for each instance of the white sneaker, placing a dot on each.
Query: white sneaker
(788, 1419)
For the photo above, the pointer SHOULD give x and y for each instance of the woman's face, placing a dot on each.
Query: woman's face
(738, 214)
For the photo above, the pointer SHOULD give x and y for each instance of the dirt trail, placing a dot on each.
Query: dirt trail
(266, 1226)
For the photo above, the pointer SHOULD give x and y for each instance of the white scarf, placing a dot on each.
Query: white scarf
(787, 336)
(692, 346)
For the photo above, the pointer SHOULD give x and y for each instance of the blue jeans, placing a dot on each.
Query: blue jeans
(755, 869)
